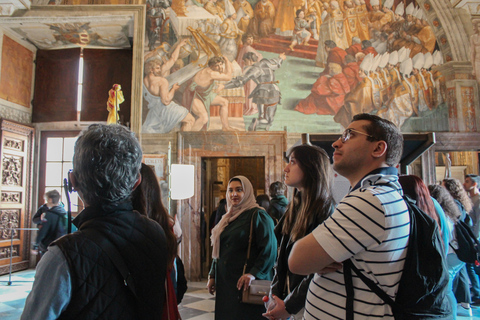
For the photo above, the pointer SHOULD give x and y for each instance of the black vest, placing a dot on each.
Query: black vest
(98, 289)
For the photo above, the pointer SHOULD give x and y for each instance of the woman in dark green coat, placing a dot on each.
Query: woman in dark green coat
(230, 245)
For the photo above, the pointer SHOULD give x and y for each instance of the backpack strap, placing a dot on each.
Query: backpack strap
(109, 248)
(349, 266)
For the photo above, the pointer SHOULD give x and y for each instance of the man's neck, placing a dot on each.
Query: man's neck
(354, 180)
(472, 192)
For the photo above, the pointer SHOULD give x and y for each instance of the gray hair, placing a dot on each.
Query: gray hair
(106, 164)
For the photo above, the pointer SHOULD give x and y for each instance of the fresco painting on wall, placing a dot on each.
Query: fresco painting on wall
(305, 65)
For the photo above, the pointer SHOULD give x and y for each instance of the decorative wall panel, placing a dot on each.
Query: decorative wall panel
(15, 188)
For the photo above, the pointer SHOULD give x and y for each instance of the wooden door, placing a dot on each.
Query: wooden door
(15, 185)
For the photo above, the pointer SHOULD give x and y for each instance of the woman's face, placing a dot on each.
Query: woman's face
(293, 173)
(235, 192)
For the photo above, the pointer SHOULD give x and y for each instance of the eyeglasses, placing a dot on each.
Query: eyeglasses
(346, 135)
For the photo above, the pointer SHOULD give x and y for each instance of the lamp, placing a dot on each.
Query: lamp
(182, 178)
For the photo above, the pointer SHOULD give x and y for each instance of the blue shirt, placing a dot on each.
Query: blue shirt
(443, 223)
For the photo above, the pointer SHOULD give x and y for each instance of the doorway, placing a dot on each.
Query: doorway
(216, 172)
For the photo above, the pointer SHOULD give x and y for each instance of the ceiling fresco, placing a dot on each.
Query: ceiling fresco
(70, 32)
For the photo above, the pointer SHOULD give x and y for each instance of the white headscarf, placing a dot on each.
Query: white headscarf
(233, 211)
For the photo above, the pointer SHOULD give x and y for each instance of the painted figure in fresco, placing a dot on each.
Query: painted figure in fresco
(367, 48)
(355, 47)
(202, 92)
(350, 70)
(300, 33)
(161, 54)
(328, 93)
(230, 37)
(215, 8)
(244, 14)
(334, 55)
(360, 98)
(405, 99)
(249, 107)
(163, 113)
(267, 94)
(314, 15)
(475, 49)
(155, 17)
(286, 12)
(261, 25)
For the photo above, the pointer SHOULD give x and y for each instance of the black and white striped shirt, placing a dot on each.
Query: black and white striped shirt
(370, 225)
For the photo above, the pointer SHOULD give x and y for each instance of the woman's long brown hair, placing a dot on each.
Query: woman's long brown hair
(147, 199)
(316, 200)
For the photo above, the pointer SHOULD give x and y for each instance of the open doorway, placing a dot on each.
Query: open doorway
(216, 172)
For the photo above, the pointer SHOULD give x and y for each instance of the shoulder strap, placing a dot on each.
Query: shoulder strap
(249, 242)
(114, 256)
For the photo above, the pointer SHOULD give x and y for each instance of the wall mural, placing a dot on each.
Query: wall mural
(303, 65)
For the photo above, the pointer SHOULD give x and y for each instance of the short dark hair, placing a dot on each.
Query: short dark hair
(213, 61)
(384, 130)
(106, 164)
(54, 195)
(475, 178)
(277, 189)
(298, 12)
(250, 56)
(330, 44)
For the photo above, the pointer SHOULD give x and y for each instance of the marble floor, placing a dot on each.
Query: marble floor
(197, 304)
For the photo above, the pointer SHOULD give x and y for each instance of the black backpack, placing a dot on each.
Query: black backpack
(423, 285)
(467, 247)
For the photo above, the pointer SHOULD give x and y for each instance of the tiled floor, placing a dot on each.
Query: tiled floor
(197, 304)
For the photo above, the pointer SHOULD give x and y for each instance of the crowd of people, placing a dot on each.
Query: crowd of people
(119, 264)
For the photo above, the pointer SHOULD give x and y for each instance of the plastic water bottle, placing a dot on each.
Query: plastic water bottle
(269, 302)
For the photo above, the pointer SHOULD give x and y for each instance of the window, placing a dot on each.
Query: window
(56, 160)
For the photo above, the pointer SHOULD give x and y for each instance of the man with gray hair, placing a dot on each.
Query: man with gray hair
(114, 266)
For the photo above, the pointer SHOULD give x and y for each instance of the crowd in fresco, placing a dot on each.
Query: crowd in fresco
(377, 58)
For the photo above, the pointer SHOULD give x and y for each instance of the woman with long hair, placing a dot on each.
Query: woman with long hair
(309, 172)
(231, 271)
(455, 188)
(461, 285)
(454, 264)
(147, 200)
(415, 188)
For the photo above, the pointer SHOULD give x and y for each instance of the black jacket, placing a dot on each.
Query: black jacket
(98, 290)
(53, 227)
(284, 278)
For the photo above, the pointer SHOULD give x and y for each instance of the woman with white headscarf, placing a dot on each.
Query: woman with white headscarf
(230, 244)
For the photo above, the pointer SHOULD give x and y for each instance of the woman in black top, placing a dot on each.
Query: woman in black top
(309, 172)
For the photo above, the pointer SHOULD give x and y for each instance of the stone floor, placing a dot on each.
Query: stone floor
(197, 304)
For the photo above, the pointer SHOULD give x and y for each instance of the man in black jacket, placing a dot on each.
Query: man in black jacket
(82, 275)
(51, 219)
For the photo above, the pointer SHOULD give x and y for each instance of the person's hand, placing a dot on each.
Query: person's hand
(183, 42)
(219, 88)
(334, 266)
(211, 286)
(282, 56)
(279, 312)
(175, 86)
(245, 281)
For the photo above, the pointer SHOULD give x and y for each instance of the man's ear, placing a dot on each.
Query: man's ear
(380, 149)
(72, 180)
(139, 180)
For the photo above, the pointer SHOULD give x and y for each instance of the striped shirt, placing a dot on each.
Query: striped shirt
(370, 225)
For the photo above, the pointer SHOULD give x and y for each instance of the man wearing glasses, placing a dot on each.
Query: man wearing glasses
(370, 225)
